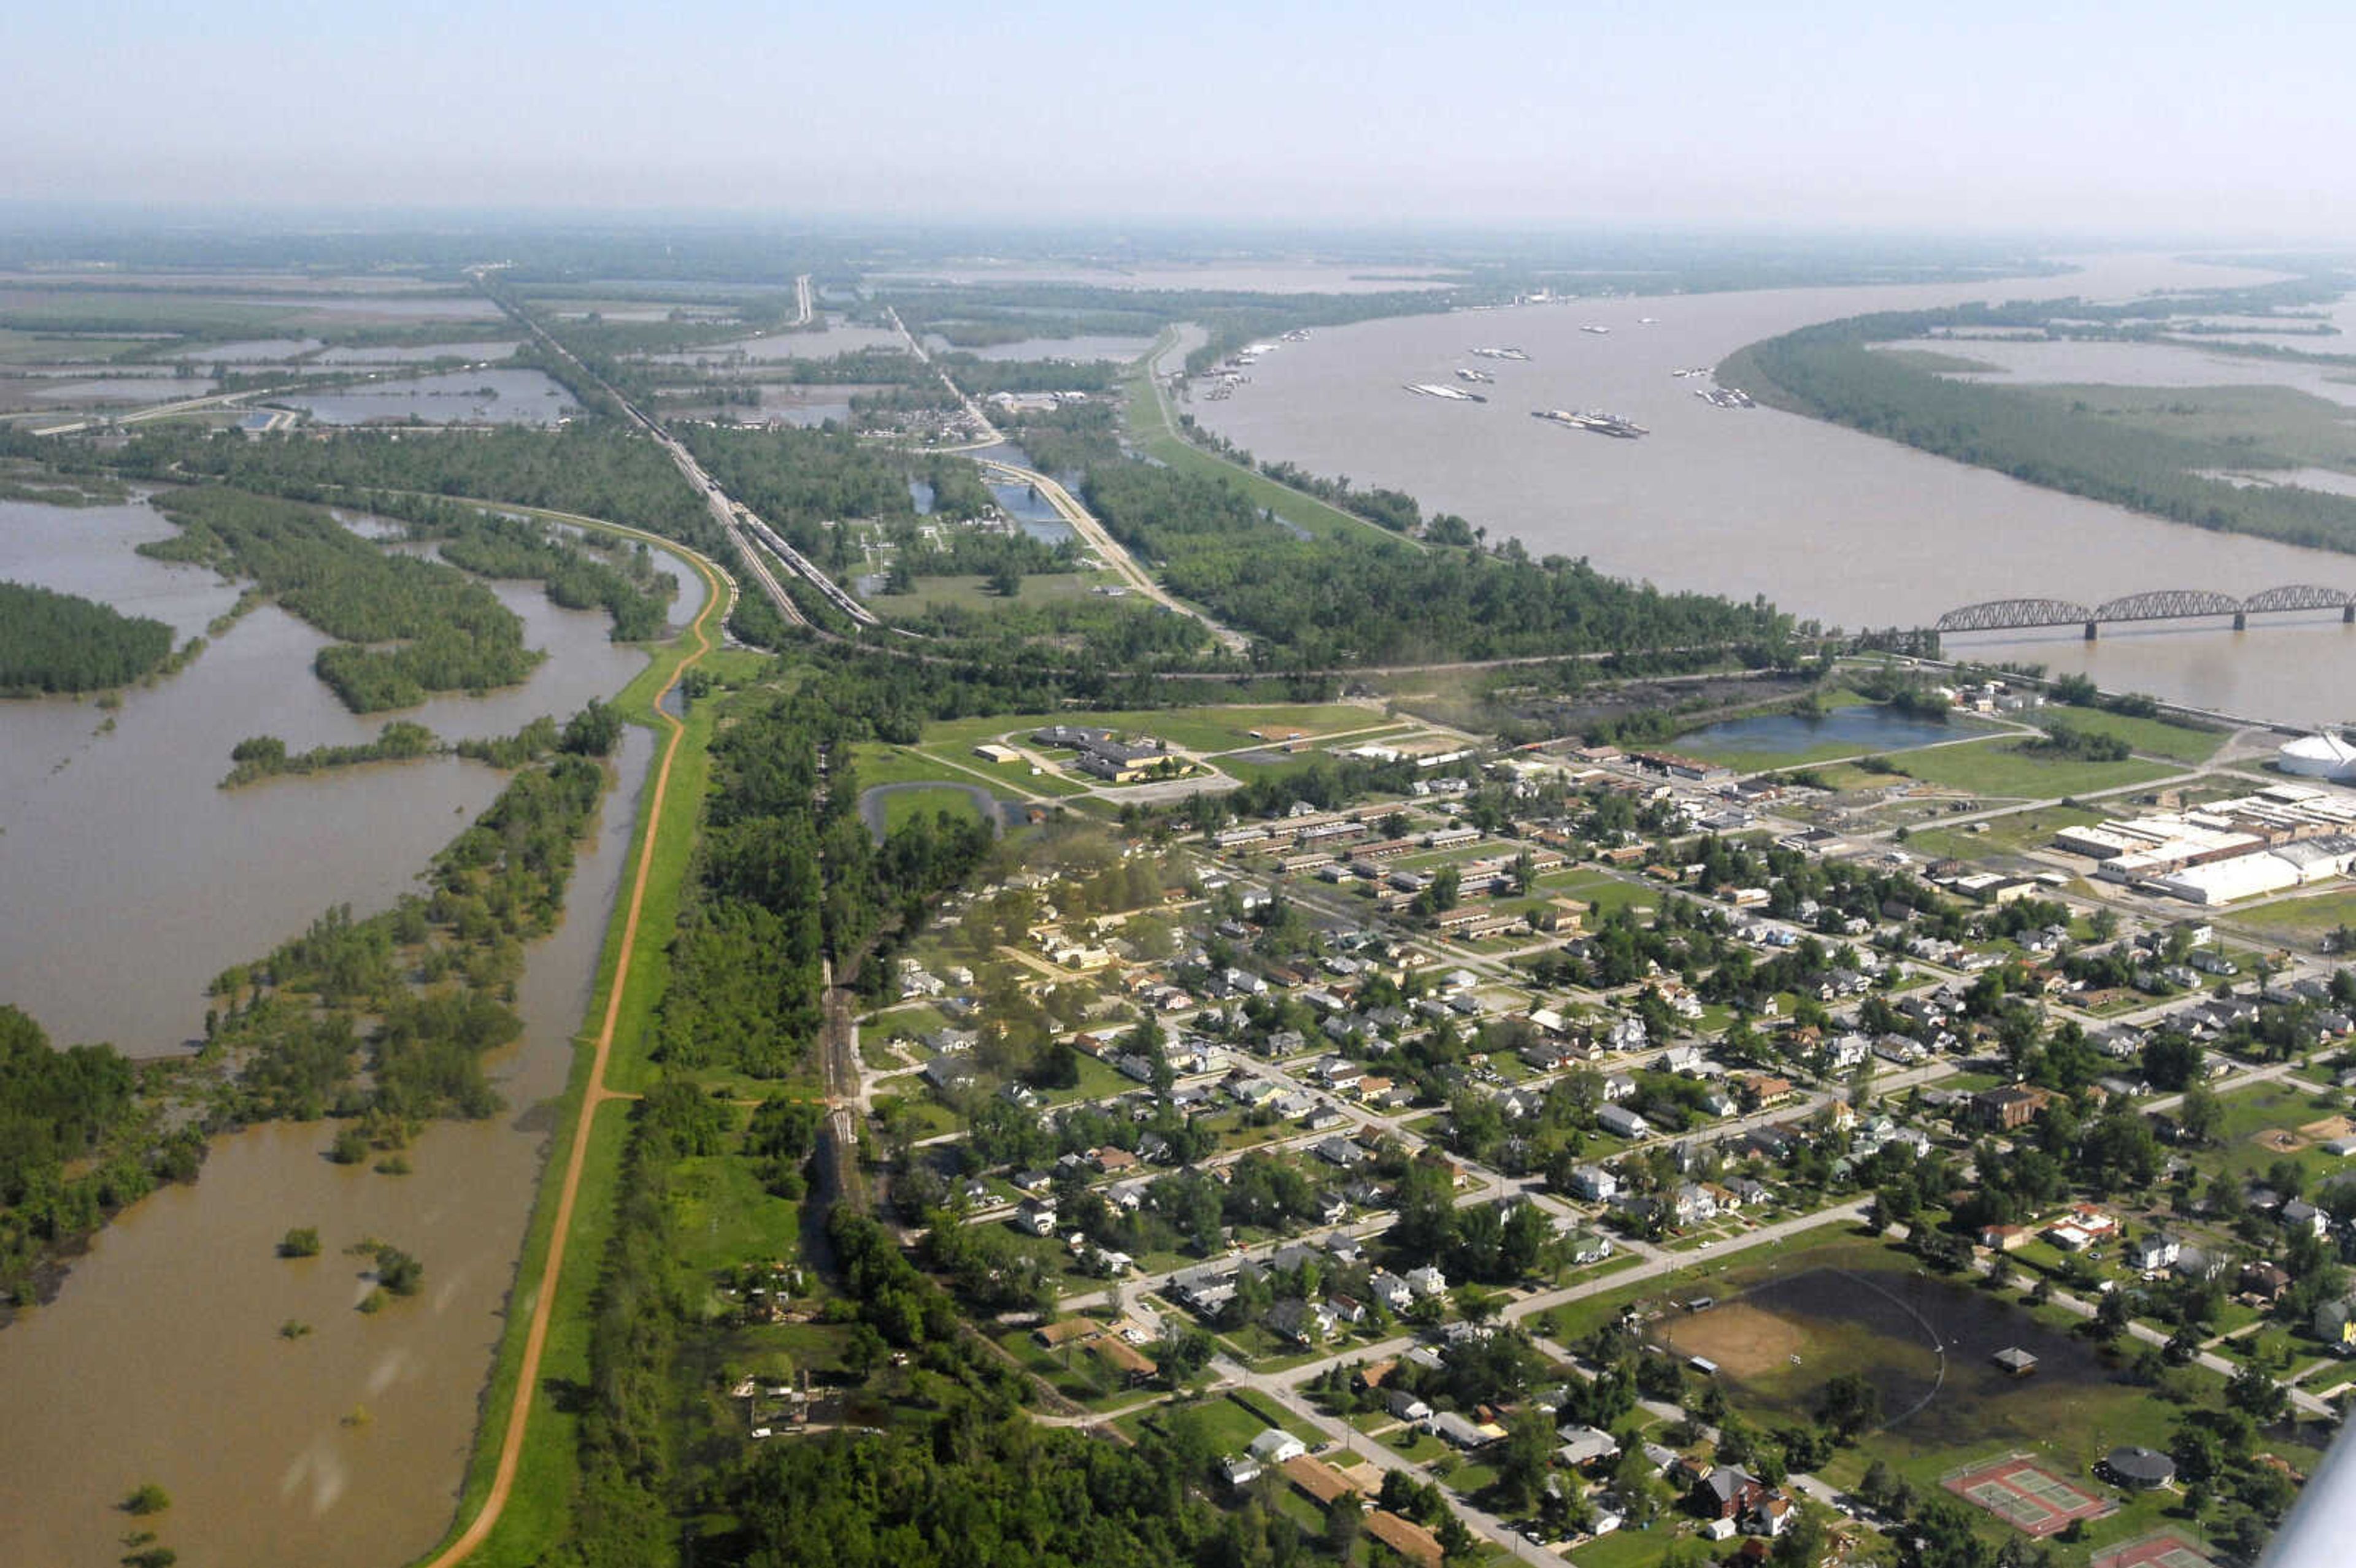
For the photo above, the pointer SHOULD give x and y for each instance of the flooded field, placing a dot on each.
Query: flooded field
(1925, 1343)
(824, 344)
(498, 349)
(2136, 365)
(161, 1358)
(1868, 729)
(459, 397)
(1304, 277)
(134, 847)
(1121, 349)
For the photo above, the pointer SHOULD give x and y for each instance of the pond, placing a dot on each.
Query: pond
(1867, 727)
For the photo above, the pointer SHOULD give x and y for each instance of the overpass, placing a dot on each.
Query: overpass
(2166, 605)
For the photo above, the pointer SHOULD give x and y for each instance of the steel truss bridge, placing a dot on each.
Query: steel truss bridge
(2166, 604)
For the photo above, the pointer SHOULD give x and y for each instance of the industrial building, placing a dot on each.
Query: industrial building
(2285, 835)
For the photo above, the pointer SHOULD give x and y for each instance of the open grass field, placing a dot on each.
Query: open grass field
(2001, 770)
(2010, 834)
(2065, 1417)
(1209, 728)
(2270, 1122)
(904, 807)
(2151, 737)
(2302, 918)
(975, 593)
(722, 1215)
(22, 347)
(879, 763)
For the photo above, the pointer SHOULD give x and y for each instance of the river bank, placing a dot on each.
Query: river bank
(1827, 523)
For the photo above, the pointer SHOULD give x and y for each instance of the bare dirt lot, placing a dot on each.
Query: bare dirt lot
(1743, 1340)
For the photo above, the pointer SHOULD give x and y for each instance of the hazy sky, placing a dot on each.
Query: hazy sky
(2234, 122)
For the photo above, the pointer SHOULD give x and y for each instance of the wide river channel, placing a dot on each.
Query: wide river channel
(1829, 524)
(128, 881)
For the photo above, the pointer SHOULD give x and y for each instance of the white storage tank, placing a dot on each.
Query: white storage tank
(2320, 756)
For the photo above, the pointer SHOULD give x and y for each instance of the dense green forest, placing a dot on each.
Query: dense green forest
(598, 472)
(633, 593)
(2056, 438)
(1322, 603)
(788, 877)
(76, 1143)
(797, 479)
(52, 642)
(452, 632)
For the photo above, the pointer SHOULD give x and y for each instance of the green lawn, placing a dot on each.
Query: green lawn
(1999, 769)
(1201, 728)
(2303, 917)
(2151, 737)
(2008, 834)
(904, 807)
(723, 1217)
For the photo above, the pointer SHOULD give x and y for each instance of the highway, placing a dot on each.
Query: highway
(984, 433)
(736, 520)
(1114, 554)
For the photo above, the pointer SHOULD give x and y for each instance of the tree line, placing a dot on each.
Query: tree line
(2052, 438)
(1323, 603)
(451, 632)
(52, 642)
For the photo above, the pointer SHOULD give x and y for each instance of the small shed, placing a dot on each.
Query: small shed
(2015, 1361)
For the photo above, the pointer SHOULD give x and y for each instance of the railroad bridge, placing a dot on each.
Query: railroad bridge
(2166, 605)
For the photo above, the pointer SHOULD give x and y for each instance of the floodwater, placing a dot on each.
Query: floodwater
(824, 343)
(160, 1358)
(137, 853)
(1925, 1344)
(419, 353)
(1264, 277)
(1122, 349)
(1031, 513)
(2067, 362)
(1866, 728)
(1829, 524)
(520, 397)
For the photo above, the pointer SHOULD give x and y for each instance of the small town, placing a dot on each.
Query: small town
(1597, 1155)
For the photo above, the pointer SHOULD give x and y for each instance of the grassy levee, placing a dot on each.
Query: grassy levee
(532, 1511)
(1154, 430)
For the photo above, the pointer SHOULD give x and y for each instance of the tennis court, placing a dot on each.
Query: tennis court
(2034, 1501)
(2165, 1549)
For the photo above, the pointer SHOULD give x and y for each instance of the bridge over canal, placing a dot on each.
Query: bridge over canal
(2166, 605)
